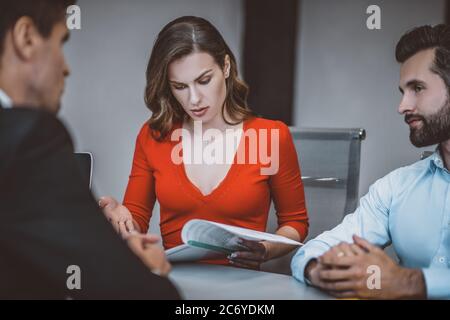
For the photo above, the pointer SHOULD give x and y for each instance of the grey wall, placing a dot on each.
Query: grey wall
(347, 75)
(103, 105)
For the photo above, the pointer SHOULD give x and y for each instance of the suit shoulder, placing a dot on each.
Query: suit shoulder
(22, 121)
(26, 128)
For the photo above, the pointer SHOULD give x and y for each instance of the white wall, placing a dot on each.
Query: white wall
(347, 75)
(103, 105)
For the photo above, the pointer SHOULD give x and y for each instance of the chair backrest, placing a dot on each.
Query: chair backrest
(85, 161)
(329, 161)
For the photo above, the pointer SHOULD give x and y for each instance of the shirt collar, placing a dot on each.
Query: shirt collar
(5, 101)
(436, 160)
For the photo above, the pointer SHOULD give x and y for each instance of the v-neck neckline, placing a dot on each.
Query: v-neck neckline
(222, 185)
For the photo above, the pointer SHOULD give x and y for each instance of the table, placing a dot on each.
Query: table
(212, 282)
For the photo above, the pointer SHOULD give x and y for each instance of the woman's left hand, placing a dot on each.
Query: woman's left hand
(252, 258)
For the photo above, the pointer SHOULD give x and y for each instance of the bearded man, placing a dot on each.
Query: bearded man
(409, 208)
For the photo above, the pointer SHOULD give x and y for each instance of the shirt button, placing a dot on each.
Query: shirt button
(442, 259)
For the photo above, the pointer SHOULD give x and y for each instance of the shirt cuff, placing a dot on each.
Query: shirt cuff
(302, 257)
(437, 281)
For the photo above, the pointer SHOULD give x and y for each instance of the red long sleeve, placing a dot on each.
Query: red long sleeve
(242, 199)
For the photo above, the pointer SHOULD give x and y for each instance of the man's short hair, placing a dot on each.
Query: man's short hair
(428, 37)
(44, 13)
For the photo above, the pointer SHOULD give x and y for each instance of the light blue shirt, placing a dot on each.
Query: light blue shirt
(410, 208)
(5, 101)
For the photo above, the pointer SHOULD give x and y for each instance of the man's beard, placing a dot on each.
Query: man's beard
(435, 128)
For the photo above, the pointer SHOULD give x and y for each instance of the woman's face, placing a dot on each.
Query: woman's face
(198, 84)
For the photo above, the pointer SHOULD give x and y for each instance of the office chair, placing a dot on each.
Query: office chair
(330, 164)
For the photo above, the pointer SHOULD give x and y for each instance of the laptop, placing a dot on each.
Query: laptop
(85, 161)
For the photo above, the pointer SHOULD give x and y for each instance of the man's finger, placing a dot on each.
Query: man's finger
(357, 250)
(150, 238)
(332, 253)
(339, 285)
(319, 283)
(336, 274)
(344, 249)
(332, 260)
(343, 294)
(366, 245)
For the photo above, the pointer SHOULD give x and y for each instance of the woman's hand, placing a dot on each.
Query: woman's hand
(118, 215)
(151, 254)
(255, 254)
(143, 245)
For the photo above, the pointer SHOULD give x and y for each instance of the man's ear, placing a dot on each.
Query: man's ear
(227, 66)
(25, 38)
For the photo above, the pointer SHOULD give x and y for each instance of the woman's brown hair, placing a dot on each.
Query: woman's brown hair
(177, 39)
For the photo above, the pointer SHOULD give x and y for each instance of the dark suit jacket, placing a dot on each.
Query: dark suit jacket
(49, 221)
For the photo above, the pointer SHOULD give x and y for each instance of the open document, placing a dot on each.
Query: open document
(205, 239)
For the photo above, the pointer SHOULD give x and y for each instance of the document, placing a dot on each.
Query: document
(205, 239)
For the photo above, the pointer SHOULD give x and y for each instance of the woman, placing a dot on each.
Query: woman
(195, 95)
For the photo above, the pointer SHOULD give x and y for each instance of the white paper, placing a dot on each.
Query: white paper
(218, 235)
